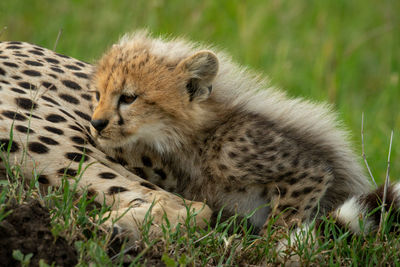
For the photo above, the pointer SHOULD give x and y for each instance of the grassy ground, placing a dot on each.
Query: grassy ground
(77, 221)
(343, 52)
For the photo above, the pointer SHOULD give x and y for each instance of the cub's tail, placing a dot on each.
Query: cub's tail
(362, 214)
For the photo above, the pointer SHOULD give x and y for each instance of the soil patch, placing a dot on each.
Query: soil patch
(27, 228)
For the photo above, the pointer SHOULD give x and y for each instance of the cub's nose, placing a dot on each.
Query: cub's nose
(99, 125)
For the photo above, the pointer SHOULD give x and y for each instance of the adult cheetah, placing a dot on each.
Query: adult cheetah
(170, 115)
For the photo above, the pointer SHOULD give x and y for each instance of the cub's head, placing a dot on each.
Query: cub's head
(143, 96)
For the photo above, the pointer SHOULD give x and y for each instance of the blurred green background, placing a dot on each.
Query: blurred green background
(340, 51)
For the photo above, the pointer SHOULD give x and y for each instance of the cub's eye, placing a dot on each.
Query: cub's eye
(97, 96)
(127, 99)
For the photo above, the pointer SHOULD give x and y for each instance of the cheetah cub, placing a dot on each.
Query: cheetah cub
(227, 138)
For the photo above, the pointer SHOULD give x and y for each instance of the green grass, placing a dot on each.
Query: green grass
(343, 52)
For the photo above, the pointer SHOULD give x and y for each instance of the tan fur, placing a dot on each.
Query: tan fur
(241, 145)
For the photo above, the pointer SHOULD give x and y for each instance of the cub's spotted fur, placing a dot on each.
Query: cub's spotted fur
(226, 137)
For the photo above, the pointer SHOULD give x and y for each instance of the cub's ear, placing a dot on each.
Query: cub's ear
(201, 68)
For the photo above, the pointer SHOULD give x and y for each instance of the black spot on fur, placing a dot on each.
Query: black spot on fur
(107, 175)
(10, 64)
(58, 70)
(160, 173)
(25, 103)
(69, 98)
(13, 47)
(148, 185)
(76, 156)
(54, 130)
(140, 172)
(19, 91)
(27, 85)
(91, 193)
(51, 60)
(38, 48)
(49, 86)
(43, 179)
(33, 116)
(296, 193)
(67, 113)
(16, 77)
(50, 100)
(23, 129)
(232, 154)
(83, 149)
(244, 149)
(69, 171)
(86, 96)
(78, 140)
(116, 189)
(38, 148)
(60, 55)
(83, 115)
(79, 63)
(222, 167)
(48, 140)
(292, 180)
(307, 190)
(75, 128)
(90, 140)
(32, 73)
(147, 161)
(111, 159)
(2, 72)
(4, 145)
(36, 52)
(18, 54)
(72, 85)
(72, 67)
(55, 118)
(81, 75)
(33, 63)
(14, 116)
